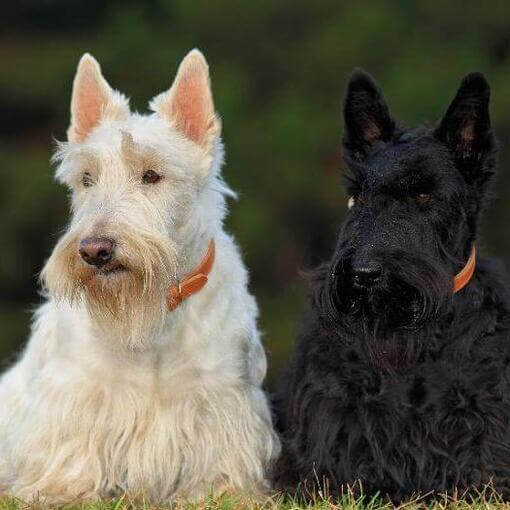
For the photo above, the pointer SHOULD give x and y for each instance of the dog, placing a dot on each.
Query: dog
(399, 382)
(143, 371)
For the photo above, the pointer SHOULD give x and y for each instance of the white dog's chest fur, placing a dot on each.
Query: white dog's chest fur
(96, 421)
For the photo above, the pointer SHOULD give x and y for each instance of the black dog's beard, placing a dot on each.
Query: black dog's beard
(412, 292)
(396, 316)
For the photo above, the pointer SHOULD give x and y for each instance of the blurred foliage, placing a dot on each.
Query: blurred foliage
(279, 69)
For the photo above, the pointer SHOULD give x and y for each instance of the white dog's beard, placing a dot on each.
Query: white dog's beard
(126, 299)
(123, 309)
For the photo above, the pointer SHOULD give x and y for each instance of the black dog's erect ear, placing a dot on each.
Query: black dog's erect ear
(466, 127)
(367, 118)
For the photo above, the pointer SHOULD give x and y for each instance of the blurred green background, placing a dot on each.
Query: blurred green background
(279, 69)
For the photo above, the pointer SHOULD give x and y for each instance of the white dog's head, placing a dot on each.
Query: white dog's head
(146, 197)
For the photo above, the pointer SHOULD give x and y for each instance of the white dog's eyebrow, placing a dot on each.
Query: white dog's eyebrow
(66, 156)
(138, 154)
(67, 150)
(135, 152)
(128, 144)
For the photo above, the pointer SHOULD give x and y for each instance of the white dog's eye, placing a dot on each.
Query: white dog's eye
(150, 177)
(351, 202)
(86, 180)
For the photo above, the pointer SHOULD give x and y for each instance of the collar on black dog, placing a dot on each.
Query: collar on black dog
(462, 279)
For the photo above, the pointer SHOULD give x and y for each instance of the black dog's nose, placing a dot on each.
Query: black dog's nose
(366, 274)
(97, 251)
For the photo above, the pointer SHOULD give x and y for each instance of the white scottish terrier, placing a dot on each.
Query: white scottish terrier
(143, 372)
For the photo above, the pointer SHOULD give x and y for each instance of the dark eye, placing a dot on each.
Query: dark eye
(423, 198)
(87, 180)
(150, 177)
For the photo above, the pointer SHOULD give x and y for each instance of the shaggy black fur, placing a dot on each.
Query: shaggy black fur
(396, 381)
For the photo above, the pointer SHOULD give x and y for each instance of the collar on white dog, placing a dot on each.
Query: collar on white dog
(193, 282)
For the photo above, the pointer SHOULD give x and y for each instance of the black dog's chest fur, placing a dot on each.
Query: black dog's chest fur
(436, 418)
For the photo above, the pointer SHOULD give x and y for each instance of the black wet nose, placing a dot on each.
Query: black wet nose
(366, 274)
(97, 251)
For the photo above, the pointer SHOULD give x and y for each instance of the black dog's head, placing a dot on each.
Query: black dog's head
(415, 201)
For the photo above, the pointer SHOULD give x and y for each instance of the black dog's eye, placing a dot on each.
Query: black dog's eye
(423, 198)
(150, 177)
(86, 180)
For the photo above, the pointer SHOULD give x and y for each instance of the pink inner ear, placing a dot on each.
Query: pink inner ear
(371, 131)
(87, 108)
(191, 106)
(467, 136)
(468, 132)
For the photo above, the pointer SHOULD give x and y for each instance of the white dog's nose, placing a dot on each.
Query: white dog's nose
(97, 251)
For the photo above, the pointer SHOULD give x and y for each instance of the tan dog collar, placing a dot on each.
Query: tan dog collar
(193, 282)
(463, 278)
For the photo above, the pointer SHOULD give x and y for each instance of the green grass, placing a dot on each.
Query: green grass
(487, 500)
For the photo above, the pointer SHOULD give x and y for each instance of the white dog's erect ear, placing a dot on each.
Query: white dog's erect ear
(188, 104)
(93, 100)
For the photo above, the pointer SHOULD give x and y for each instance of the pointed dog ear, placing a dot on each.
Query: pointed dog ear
(367, 117)
(93, 100)
(188, 104)
(466, 128)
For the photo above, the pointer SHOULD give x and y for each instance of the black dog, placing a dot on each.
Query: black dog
(401, 377)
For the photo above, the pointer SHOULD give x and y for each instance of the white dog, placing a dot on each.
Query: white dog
(143, 372)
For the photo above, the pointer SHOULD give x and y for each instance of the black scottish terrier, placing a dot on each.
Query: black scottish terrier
(401, 377)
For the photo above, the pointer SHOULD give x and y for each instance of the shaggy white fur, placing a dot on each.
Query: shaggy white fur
(113, 393)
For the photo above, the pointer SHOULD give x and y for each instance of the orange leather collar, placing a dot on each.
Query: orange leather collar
(462, 278)
(193, 282)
